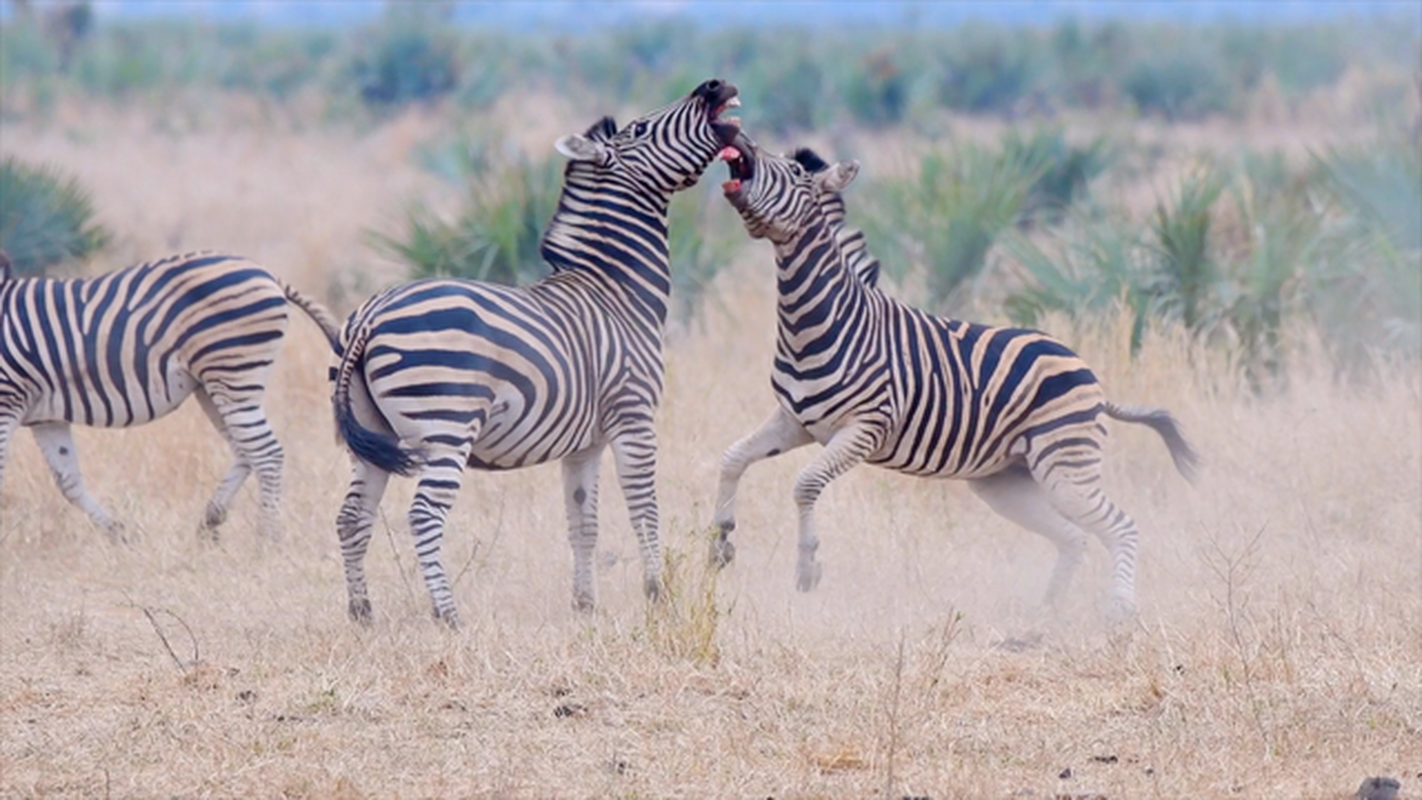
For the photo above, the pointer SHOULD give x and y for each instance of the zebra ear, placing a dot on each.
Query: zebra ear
(5, 266)
(838, 176)
(580, 148)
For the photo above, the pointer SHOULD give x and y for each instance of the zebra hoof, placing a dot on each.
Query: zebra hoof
(359, 611)
(722, 554)
(652, 588)
(583, 603)
(807, 578)
(450, 618)
(1120, 609)
(213, 518)
(116, 532)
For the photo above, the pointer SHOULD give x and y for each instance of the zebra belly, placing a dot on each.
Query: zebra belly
(509, 429)
(81, 402)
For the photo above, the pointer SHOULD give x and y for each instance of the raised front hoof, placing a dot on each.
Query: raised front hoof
(808, 577)
(359, 612)
(722, 554)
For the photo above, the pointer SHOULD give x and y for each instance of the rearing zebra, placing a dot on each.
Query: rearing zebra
(498, 377)
(1014, 412)
(128, 347)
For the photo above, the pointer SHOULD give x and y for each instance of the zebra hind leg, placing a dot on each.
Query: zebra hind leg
(440, 477)
(246, 428)
(1077, 494)
(216, 511)
(56, 441)
(779, 434)
(353, 525)
(580, 479)
(1014, 495)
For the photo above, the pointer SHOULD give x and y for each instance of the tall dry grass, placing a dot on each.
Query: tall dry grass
(1278, 652)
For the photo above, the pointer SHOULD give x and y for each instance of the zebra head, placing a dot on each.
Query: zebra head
(664, 151)
(779, 198)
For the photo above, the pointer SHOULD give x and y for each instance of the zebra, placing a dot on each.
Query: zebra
(439, 375)
(128, 347)
(1014, 412)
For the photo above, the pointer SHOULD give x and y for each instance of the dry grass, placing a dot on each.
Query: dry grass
(1278, 652)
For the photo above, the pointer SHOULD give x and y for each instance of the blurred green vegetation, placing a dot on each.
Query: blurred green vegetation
(46, 218)
(873, 77)
(1246, 254)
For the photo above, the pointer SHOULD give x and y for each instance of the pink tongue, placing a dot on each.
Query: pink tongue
(732, 185)
(729, 153)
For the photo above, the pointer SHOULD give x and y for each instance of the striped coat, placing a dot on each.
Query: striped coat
(129, 347)
(444, 375)
(1014, 412)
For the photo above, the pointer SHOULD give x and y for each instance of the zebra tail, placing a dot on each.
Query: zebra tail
(1186, 459)
(370, 446)
(324, 319)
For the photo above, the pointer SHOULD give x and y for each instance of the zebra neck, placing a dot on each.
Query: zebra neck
(812, 279)
(616, 235)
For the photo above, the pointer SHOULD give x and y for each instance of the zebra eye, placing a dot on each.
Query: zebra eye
(640, 129)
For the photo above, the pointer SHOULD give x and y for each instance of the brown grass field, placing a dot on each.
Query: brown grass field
(1278, 653)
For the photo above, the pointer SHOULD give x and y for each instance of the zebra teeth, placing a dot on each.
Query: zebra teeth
(729, 153)
(734, 102)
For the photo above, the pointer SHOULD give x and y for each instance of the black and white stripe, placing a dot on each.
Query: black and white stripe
(128, 347)
(440, 375)
(1014, 412)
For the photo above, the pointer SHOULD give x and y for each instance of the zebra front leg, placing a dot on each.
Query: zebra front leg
(580, 478)
(56, 441)
(1014, 495)
(9, 422)
(635, 451)
(353, 526)
(440, 477)
(779, 434)
(848, 447)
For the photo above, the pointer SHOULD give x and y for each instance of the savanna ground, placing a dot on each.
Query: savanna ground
(1278, 652)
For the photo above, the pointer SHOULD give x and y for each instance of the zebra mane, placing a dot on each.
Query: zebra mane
(602, 130)
(810, 160)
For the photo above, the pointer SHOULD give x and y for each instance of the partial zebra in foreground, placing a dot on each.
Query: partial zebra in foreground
(1014, 412)
(441, 375)
(128, 347)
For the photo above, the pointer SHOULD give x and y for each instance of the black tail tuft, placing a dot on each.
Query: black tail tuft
(1187, 461)
(375, 448)
(370, 446)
